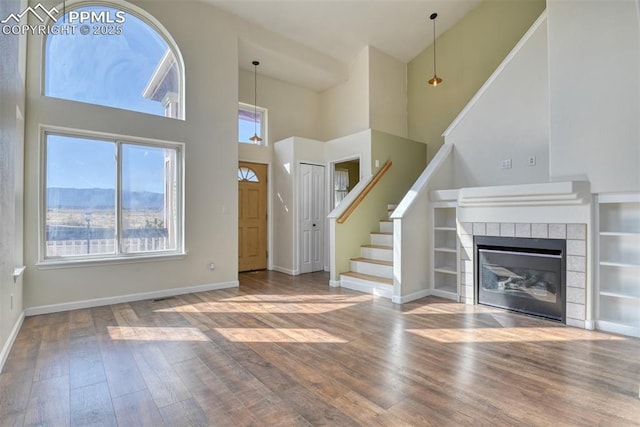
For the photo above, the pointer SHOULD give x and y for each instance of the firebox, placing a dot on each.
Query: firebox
(521, 274)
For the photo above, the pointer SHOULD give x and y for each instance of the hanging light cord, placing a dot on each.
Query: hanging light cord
(434, 42)
(255, 138)
(255, 97)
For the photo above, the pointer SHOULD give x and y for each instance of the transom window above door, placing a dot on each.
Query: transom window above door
(252, 120)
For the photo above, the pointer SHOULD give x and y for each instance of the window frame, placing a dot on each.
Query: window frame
(118, 140)
(263, 112)
(143, 16)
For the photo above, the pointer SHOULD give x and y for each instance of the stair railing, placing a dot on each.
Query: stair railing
(354, 205)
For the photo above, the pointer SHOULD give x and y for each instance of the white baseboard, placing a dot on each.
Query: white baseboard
(334, 283)
(411, 297)
(6, 348)
(366, 287)
(75, 305)
(285, 270)
(590, 325)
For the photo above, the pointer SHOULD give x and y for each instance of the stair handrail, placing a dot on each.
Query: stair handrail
(354, 205)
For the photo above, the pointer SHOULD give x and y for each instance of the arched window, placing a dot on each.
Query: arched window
(105, 54)
(247, 175)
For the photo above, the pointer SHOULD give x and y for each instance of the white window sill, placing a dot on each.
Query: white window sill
(91, 262)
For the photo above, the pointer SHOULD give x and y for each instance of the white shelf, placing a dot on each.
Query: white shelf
(621, 295)
(618, 263)
(445, 251)
(446, 270)
(444, 228)
(619, 233)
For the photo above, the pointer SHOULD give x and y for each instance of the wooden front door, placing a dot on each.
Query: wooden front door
(252, 216)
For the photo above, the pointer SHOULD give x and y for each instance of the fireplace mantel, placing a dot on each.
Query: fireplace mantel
(541, 194)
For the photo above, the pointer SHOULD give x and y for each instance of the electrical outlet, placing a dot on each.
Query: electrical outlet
(506, 164)
(532, 161)
(211, 266)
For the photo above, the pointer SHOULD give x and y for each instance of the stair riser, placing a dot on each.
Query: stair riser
(376, 253)
(386, 227)
(382, 239)
(372, 269)
(385, 291)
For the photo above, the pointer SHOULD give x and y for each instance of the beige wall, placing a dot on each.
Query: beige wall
(467, 55)
(210, 136)
(283, 257)
(293, 110)
(345, 107)
(408, 159)
(387, 93)
(374, 97)
(12, 107)
(595, 93)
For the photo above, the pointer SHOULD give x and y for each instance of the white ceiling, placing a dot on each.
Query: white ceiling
(340, 30)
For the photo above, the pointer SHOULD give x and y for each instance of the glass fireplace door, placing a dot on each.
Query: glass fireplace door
(528, 281)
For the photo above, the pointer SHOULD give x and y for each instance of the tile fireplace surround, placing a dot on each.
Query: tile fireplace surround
(575, 236)
(561, 210)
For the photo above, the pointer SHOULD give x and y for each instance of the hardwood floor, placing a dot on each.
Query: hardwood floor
(287, 350)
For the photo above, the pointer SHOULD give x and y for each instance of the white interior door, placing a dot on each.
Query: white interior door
(312, 218)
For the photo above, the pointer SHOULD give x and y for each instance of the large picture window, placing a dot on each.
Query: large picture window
(109, 198)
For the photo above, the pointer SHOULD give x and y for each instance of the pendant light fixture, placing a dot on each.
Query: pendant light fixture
(435, 81)
(255, 138)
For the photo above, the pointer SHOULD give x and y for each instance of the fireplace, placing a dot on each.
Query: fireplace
(522, 274)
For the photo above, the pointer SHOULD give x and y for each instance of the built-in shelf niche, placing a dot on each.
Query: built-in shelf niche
(618, 299)
(445, 251)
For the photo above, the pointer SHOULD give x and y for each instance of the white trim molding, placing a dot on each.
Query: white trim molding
(97, 302)
(10, 340)
(288, 271)
(402, 299)
(544, 194)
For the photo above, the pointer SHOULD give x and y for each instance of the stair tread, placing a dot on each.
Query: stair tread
(377, 247)
(373, 261)
(369, 277)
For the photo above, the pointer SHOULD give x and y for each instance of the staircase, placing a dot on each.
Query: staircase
(372, 272)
